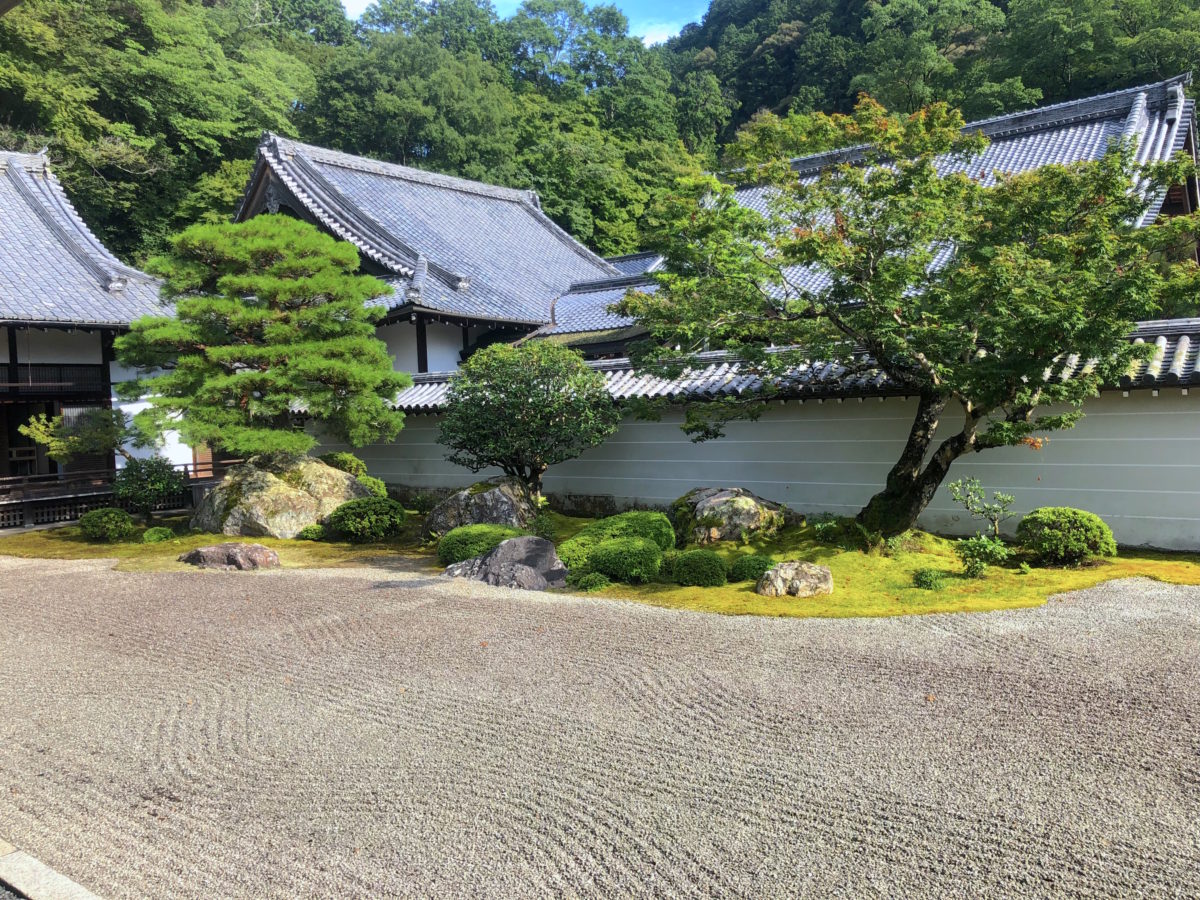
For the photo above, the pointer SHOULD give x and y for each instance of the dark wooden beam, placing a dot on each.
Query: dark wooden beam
(422, 346)
(14, 374)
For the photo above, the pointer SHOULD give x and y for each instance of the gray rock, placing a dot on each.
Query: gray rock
(500, 501)
(708, 515)
(275, 497)
(232, 556)
(796, 579)
(522, 562)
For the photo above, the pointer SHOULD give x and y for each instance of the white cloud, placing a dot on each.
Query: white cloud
(656, 32)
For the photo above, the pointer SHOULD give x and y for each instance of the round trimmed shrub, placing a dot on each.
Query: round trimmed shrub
(630, 559)
(468, 541)
(311, 533)
(347, 462)
(591, 581)
(157, 535)
(1060, 535)
(666, 572)
(368, 521)
(107, 524)
(700, 568)
(750, 568)
(374, 485)
(929, 579)
(645, 524)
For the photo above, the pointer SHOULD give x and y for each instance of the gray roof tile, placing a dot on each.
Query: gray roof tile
(52, 268)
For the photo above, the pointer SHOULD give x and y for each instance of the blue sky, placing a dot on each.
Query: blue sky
(651, 20)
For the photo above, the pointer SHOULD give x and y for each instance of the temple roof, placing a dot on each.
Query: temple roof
(53, 270)
(452, 246)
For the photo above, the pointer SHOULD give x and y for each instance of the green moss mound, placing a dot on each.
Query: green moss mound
(590, 581)
(700, 568)
(347, 462)
(750, 568)
(157, 535)
(929, 579)
(368, 521)
(107, 525)
(1060, 535)
(469, 541)
(312, 533)
(650, 526)
(374, 485)
(631, 559)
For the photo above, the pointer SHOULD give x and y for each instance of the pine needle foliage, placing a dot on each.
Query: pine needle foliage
(270, 316)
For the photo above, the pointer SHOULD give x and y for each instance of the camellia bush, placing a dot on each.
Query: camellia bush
(525, 408)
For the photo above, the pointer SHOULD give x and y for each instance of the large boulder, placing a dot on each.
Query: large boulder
(232, 556)
(523, 562)
(275, 497)
(795, 579)
(708, 515)
(500, 501)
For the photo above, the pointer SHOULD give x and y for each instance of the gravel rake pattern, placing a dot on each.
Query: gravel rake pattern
(370, 733)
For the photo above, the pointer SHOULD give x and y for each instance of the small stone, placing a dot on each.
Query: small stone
(529, 563)
(232, 556)
(501, 501)
(796, 579)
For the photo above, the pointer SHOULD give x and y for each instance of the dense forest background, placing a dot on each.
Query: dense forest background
(151, 109)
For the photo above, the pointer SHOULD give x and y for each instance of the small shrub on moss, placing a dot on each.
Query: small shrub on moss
(543, 526)
(929, 579)
(700, 568)
(157, 535)
(591, 581)
(630, 559)
(1059, 535)
(648, 525)
(979, 552)
(108, 525)
(312, 533)
(423, 502)
(374, 485)
(468, 541)
(347, 462)
(368, 520)
(1025, 568)
(750, 568)
(666, 572)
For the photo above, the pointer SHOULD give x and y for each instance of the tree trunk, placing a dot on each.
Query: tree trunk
(912, 482)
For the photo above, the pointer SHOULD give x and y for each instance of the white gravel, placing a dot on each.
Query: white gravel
(373, 733)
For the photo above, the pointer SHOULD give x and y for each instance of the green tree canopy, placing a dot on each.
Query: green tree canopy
(270, 316)
(965, 295)
(525, 408)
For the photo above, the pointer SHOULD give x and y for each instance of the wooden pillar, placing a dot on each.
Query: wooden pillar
(13, 372)
(422, 346)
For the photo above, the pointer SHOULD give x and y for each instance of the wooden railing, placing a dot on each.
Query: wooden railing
(55, 379)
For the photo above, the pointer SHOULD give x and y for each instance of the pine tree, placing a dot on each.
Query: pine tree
(271, 317)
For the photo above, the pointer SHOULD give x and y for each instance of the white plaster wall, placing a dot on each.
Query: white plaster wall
(443, 342)
(172, 447)
(1132, 460)
(54, 346)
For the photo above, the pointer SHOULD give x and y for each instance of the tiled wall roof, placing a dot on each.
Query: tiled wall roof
(1173, 364)
(52, 268)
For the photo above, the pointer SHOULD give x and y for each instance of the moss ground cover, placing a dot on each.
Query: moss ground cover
(865, 585)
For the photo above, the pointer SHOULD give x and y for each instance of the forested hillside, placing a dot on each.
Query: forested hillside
(151, 109)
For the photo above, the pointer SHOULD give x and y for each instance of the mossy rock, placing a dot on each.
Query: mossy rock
(709, 515)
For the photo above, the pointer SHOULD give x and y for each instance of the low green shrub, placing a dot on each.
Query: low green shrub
(543, 526)
(750, 568)
(628, 559)
(929, 579)
(645, 524)
(374, 485)
(368, 520)
(979, 552)
(666, 572)
(700, 568)
(591, 581)
(347, 462)
(312, 533)
(468, 541)
(157, 535)
(1025, 568)
(108, 525)
(1059, 535)
(143, 484)
(423, 501)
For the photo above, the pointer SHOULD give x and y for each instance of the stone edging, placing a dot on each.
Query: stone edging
(27, 876)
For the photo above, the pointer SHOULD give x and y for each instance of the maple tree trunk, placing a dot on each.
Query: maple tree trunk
(912, 481)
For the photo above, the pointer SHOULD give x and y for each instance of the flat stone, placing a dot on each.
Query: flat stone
(37, 881)
(795, 578)
(232, 556)
(529, 563)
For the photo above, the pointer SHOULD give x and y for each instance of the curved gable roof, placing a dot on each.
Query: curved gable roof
(459, 247)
